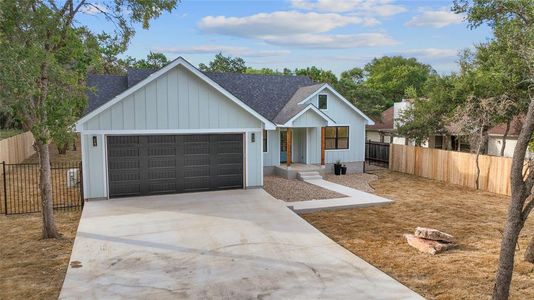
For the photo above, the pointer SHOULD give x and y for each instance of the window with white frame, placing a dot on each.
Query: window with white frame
(336, 137)
(323, 101)
(265, 140)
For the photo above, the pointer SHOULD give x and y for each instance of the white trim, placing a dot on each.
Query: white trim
(178, 61)
(330, 88)
(267, 141)
(329, 121)
(84, 166)
(168, 131)
(307, 146)
(105, 165)
(245, 143)
(261, 157)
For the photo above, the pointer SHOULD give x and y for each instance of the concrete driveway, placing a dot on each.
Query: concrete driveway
(240, 244)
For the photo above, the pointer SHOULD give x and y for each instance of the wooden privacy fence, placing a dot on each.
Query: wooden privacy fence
(453, 167)
(17, 148)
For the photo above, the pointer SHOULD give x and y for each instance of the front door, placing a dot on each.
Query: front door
(283, 146)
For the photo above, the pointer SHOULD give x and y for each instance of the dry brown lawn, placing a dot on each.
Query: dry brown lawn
(476, 219)
(32, 268)
(70, 157)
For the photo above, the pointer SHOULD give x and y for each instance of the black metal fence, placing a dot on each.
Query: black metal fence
(377, 153)
(20, 192)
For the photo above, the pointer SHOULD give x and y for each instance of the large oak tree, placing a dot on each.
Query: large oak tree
(44, 54)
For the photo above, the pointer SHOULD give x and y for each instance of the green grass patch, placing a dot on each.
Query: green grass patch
(7, 133)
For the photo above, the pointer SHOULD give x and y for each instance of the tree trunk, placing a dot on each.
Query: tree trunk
(63, 149)
(503, 278)
(505, 136)
(515, 219)
(45, 185)
(529, 253)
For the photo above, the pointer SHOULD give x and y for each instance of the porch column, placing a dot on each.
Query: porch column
(289, 142)
(323, 145)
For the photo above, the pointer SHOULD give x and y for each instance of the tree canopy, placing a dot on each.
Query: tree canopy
(45, 53)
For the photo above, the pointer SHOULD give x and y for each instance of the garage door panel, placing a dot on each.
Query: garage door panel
(196, 184)
(197, 171)
(124, 175)
(229, 181)
(162, 162)
(125, 188)
(162, 173)
(196, 148)
(196, 160)
(162, 187)
(142, 165)
(227, 158)
(229, 169)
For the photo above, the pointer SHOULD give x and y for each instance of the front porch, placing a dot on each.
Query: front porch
(291, 171)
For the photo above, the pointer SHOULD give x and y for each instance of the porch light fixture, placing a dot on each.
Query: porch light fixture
(253, 138)
(94, 141)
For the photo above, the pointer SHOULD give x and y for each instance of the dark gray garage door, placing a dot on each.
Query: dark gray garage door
(160, 164)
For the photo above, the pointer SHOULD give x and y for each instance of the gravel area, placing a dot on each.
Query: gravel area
(296, 190)
(356, 181)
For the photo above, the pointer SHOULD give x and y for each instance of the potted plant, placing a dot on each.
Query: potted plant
(344, 170)
(337, 168)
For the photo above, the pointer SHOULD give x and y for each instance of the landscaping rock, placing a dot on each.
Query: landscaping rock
(433, 234)
(428, 246)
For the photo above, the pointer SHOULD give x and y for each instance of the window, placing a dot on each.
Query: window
(264, 140)
(337, 137)
(323, 101)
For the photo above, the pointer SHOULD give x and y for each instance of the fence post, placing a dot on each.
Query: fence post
(81, 183)
(5, 186)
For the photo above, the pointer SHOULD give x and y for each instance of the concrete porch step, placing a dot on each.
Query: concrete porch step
(309, 175)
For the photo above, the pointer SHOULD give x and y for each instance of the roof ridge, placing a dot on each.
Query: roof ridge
(253, 74)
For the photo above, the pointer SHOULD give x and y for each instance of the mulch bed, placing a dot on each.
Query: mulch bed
(296, 190)
(475, 218)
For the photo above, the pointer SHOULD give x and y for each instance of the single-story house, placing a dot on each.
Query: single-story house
(383, 130)
(178, 129)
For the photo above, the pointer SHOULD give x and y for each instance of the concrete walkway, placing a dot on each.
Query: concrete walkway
(241, 244)
(355, 198)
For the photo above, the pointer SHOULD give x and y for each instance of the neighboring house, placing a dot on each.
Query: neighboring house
(384, 131)
(178, 129)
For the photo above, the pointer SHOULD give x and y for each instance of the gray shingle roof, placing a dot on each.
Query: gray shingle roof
(137, 75)
(266, 94)
(293, 107)
(104, 88)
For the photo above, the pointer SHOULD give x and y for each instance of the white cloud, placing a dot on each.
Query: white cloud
(278, 23)
(226, 50)
(333, 41)
(93, 9)
(382, 8)
(291, 28)
(432, 53)
(435, 18)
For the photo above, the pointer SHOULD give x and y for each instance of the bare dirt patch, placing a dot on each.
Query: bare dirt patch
(70, 157)
(475, 218)
(33, 268)
(359, 181)
(296, 190)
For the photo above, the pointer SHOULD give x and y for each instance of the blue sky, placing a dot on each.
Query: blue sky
(331, 34)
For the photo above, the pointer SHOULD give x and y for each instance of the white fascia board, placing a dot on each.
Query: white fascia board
(331, 89)
(168, 131)
(179, 61)
(315, 109)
